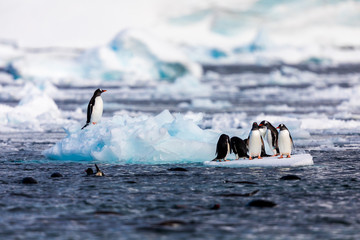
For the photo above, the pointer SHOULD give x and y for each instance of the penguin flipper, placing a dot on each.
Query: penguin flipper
(89, 111)
(97, 168)
(85, 126)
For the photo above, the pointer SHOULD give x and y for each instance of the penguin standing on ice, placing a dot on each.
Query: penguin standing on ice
(271, 136)
(95, 108)
(238, 146)
(222, 148)
(255, 142)
(285, 141)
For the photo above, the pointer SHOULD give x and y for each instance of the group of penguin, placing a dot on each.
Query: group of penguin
(281, 143)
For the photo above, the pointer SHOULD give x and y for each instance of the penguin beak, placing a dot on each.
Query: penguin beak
(103, 90)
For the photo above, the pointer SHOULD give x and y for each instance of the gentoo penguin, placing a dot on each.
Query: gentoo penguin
(90, 172)
(222, 148)
(238, 146)
(255, 142)
(270, 135)
(285, 141)
(95, 108)
(98, 173)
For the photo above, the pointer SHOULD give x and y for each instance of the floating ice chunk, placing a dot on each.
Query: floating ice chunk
(165, 138)
(8, 52)
(184, 86)
(36, 111)
(140, 51)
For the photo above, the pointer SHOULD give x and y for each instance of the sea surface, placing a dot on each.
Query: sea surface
(152, 201)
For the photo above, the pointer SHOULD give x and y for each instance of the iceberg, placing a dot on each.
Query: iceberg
(133, 55)
(35, 111)
(164, 138)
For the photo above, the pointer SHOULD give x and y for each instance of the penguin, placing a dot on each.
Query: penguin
(238, 146)
(285, 141)
(222, 148)
(90, 172)
(271, 136)
(99, 173)
(95, 108)
(255, 142)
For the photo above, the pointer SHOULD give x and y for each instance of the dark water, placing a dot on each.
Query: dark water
(151, 202)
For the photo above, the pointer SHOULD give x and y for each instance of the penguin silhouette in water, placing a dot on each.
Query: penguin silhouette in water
(238, 146)
(285, 141)
(95, 108)
(255, 142)
(222, 148)
(270, 135)
(98, 173)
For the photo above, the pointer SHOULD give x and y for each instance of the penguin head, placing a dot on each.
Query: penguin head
(282, 127)
(224, 138)
(264, 123)
(255, 126)
(89, 171)
(99, 91)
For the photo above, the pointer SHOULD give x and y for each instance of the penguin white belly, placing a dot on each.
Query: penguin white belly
(228, 150)
(97, 110)
(284, 142)
(254, 143)
(263, 131)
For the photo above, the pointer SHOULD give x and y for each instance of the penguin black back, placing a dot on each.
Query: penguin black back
(223, 147)
(238, 146)
(274, 133)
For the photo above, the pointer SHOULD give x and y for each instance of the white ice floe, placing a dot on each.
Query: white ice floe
(295, 161)
(165, 138)
(36, 111)
(189, 86)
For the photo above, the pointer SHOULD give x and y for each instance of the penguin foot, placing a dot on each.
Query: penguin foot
(281, 156)
(250, 158)
(288, 156)
(259, 157)
(93, 123)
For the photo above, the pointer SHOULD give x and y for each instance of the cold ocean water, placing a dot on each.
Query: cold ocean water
(147, 200)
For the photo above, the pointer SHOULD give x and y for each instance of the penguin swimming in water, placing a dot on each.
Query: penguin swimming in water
(222, 148)
(255, 142)
(90, 172)
(95, 108)
(238, 146)
(270, 135)
(285, 141)
(99, 173)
